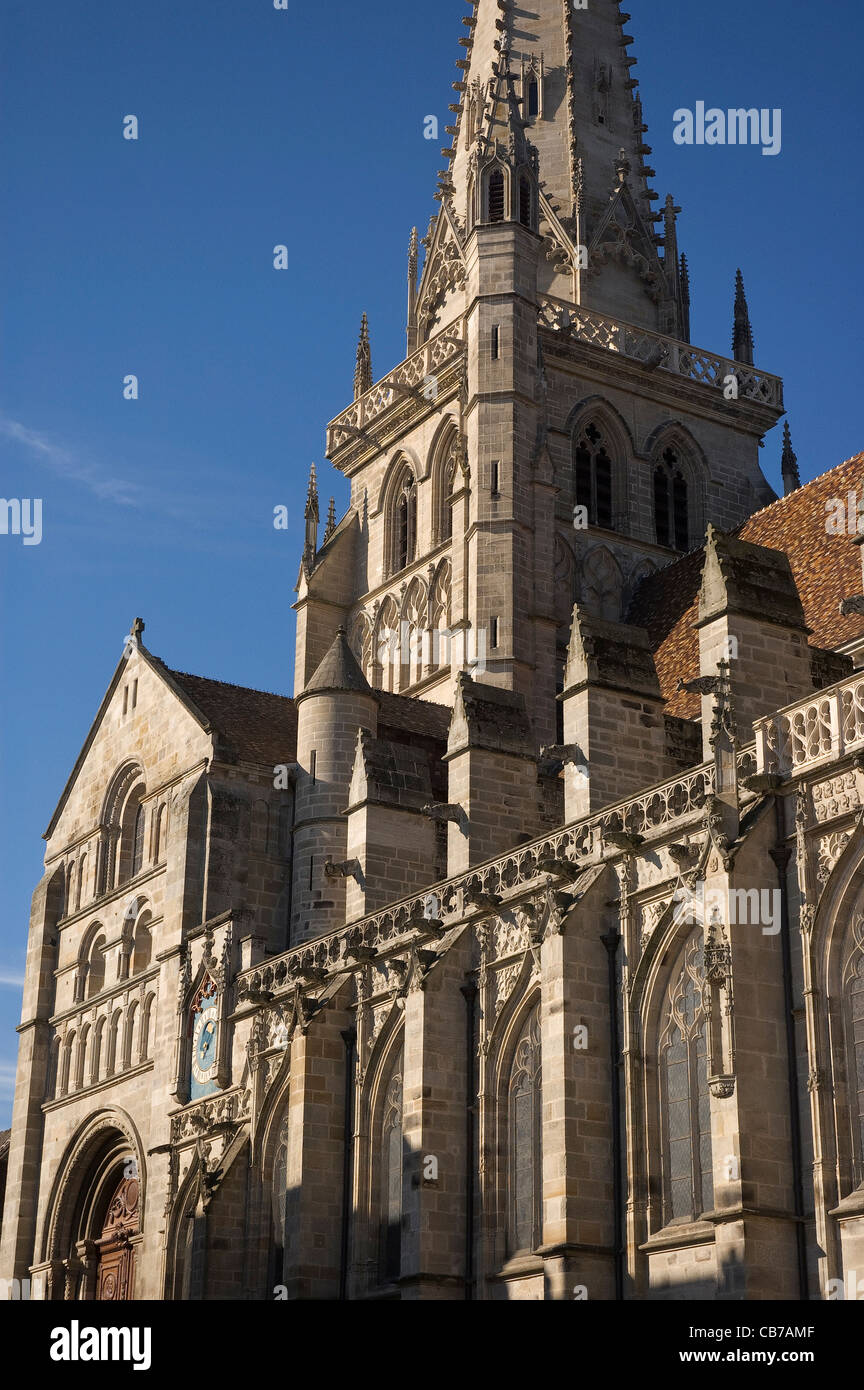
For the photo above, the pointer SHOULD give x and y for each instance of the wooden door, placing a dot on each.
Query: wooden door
(115, 1277)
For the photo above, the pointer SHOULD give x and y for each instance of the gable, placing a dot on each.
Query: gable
(143, 719)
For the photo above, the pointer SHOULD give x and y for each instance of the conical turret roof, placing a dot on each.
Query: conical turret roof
(339, 670)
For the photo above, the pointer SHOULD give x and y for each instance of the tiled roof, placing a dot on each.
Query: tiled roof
(5, 1137)
(412, 716)
(259, 727)
(665, 605)
(826, 569)
(262, 728)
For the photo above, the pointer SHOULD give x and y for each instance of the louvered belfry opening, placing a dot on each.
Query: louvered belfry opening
(496, 196)
(525, 202)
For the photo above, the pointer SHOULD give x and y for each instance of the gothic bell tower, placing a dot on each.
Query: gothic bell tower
(553, 436)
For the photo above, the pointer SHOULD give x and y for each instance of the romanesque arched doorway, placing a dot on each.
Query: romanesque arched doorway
(95, 1229)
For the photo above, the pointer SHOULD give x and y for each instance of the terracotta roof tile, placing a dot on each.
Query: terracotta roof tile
(826, 569)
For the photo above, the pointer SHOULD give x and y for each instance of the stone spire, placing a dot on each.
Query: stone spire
(551, 90)
(312, 518)
(331, 520)
(789, 464)
(742, 339)
(573, 80)
(363, 370)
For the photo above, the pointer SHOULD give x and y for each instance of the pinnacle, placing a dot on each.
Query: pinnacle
(363, 369)
(742, 336)
(789, 463)
(312, 495)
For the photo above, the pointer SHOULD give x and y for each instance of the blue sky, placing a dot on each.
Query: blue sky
(305, 127)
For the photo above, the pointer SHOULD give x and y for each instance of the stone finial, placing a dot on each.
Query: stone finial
(311, 515)
(789, 463)
(331, 520)
(312, 495)
(742, 337)
(363, 371)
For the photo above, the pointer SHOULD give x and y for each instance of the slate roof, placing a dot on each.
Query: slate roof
(5, 1137)
(826, 568)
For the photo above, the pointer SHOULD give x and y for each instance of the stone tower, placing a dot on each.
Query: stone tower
(553, 436)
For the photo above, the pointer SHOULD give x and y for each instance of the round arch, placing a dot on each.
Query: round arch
(100, 1184)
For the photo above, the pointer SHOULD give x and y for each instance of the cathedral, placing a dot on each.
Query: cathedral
(519, 954)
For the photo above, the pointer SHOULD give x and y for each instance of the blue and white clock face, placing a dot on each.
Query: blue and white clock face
(204, 1038)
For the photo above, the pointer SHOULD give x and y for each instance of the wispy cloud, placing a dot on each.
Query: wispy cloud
(16, 981)
(68, 464)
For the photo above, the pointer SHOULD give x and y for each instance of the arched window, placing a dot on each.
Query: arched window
(685, 1100)
(495, 195)
(143, 944)
(279, 1195)
(670, 503)
(446, 528)
(593, 476)
(533, 102)
(525, 1141)
(117, 828)
(96, 967)
(390, 1177)
(444, 470)
(525, 207)
(854, 1021)
(138, 841)
(403, 523)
